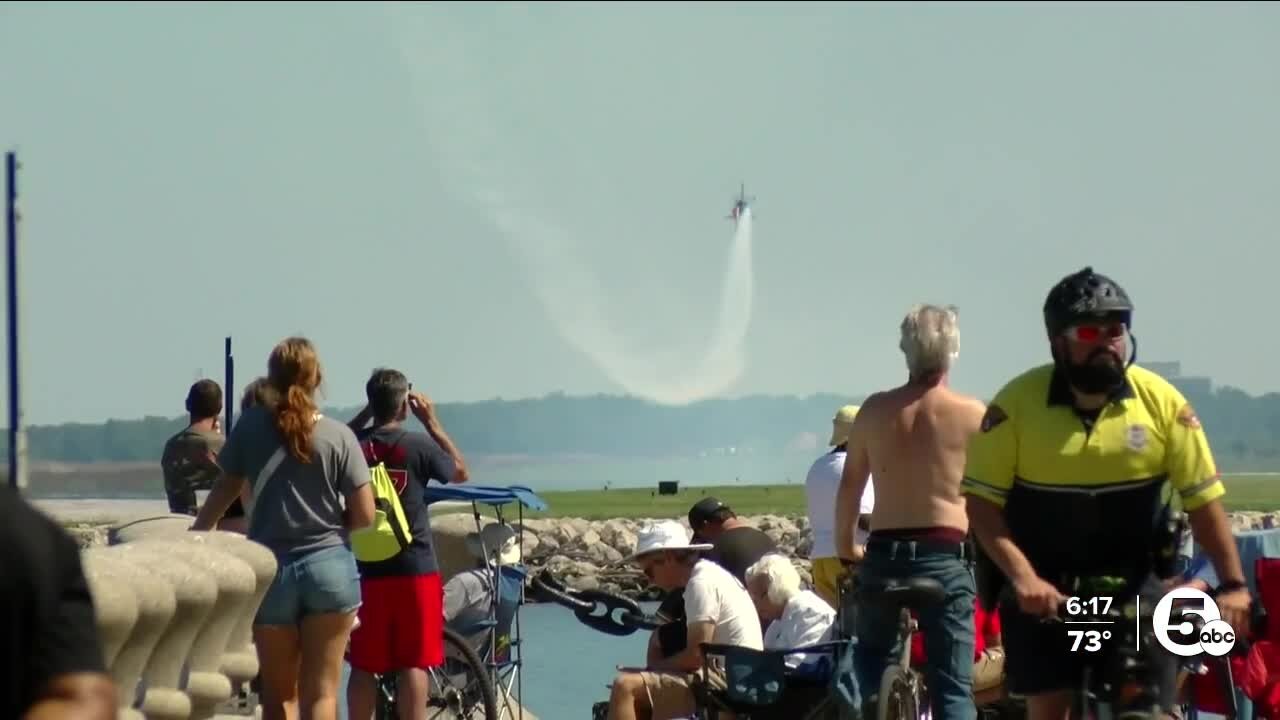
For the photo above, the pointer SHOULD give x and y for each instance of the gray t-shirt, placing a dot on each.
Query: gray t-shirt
(301, 508)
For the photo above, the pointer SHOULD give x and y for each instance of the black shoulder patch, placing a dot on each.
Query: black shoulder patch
(993, 417)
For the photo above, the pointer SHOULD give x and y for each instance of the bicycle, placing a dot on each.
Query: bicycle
(460, 659)
(902, 692)
(1129, 677)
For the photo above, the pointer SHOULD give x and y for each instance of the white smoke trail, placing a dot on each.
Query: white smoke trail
(459, 131)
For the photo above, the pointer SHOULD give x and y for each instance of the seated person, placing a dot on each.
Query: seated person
(468, 596)
(795, 617)
(988, 655)
(735, 545)
(717, 609)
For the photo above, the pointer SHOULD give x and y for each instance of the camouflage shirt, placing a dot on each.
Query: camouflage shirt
(187, 463)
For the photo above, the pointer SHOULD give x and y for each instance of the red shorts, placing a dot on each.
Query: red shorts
(401, 624)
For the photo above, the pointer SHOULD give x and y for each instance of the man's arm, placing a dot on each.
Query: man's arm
(987, 520)
(853, 482)
(424, 410)
(690, 658)
(76, 696)
(224, 492)
(1212, 529)
(361, 419)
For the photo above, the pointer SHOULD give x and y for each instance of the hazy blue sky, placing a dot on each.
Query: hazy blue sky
(192, 171)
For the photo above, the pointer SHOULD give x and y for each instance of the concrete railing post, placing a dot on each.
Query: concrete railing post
(206, 685)
(155, 604)
(195, 594)
(240, 661)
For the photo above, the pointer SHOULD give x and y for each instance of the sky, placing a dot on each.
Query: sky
(485, 195)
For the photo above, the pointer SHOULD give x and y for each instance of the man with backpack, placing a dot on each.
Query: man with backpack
(401, 613)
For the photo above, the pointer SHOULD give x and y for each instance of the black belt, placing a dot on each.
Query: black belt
(895, 546)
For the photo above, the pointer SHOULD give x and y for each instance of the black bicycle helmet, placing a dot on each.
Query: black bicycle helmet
(1084, 294)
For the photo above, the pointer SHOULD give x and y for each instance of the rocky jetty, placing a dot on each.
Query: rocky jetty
(592, 554)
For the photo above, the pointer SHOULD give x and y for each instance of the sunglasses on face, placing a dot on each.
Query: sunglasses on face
(1094, 332)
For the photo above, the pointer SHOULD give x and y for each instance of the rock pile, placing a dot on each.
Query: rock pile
(592, 554)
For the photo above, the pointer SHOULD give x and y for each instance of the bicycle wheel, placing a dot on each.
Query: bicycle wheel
(474, 698)
(897, 697)
(385, 702)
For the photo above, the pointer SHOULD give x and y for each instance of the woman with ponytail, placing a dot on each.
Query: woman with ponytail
(301, 469)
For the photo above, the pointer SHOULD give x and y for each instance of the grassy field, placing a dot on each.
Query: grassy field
(1244, 492)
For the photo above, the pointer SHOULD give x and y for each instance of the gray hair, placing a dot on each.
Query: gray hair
(783, 580)
(930, 338)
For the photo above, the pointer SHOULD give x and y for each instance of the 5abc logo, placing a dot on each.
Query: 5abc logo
(1216, 637)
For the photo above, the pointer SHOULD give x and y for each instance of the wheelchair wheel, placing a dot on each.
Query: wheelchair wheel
(899, 696)
(462, 687)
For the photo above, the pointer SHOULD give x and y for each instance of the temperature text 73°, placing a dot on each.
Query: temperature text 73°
(1092, 639)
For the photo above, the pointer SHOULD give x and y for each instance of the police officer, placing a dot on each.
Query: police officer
(1072, 475)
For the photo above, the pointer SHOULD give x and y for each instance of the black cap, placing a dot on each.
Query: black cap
(704, 511)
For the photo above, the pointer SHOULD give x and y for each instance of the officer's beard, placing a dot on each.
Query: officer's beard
(1097, 377)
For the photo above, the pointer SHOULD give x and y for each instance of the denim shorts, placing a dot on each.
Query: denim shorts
(323, 581)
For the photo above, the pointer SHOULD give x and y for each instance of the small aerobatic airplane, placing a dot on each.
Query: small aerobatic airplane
(741, 205)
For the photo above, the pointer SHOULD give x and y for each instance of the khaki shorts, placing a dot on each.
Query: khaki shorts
(671, 693)
(988, 672)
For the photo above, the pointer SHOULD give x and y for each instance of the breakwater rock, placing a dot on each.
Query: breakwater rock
(592, 554)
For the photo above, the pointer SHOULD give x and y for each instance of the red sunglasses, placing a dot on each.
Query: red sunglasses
(1093, 332)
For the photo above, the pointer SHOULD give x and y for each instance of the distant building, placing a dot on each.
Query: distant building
(1172, 371)
(1193, 385)
(1168, 370)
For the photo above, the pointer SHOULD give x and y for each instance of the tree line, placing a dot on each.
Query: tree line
(1244, 430)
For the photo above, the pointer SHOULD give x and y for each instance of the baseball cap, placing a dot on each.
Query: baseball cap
(841, 424)
(704, 511)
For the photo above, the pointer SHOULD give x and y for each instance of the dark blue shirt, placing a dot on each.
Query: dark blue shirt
(413, 459)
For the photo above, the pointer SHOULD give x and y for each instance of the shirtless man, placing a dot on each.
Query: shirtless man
(914, 438)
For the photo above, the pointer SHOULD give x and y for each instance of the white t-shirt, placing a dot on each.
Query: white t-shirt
(820, 488)
(715, 595)
(805, 621)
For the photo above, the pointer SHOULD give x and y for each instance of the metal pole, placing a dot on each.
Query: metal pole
(17, 435)
(228, 380)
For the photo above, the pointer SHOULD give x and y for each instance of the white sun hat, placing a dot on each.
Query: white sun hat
(665, 535)
(500, 540)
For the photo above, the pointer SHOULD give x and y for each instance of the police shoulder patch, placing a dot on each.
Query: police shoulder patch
(993, 417)
(1187, 417)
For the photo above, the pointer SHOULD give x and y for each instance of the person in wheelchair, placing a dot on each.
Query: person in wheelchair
(469, 595)
(717, 608)
(794, 617)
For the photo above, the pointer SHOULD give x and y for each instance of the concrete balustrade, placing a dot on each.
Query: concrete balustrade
(175, 609)
(240, 659)
(195, 593)
(155, 603)
(235, 583)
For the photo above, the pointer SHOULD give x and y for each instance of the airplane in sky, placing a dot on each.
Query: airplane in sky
(741, 205)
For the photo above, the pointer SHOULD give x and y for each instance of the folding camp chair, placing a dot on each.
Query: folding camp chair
(760, 686)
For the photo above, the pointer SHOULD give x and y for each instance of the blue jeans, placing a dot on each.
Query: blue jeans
(948, 627)
(323, 581)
